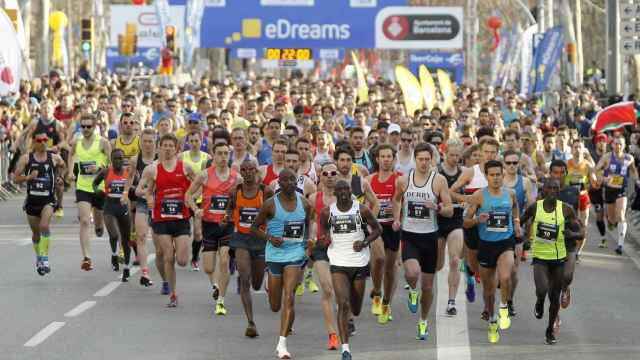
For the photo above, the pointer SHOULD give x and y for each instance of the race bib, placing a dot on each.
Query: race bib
(617, 180)
(116, 188)
(247, 216)
(547, 232)
(172, 208)
(293, 231)
(498, 221)
(385, 210)
(85, 166)
(418, 210)
(344, 224)
(39, 187)
(219, 204)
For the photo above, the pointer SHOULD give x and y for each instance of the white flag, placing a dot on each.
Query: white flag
(10, 57)
(162, 13)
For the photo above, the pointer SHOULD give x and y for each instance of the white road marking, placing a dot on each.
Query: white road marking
(80, 309)
(452, 332)
(598, 255)
(107, 289)
(43, 334)
(23, 242)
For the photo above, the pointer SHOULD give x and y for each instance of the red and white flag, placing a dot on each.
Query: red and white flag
(10, 57)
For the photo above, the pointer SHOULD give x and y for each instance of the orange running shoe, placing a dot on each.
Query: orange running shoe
(333, 342)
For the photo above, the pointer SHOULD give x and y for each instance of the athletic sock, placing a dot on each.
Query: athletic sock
(44, 244)
(503, 305)
(195, 250)
(622, 232)
(36, 249)
(221, 300)
(282, 342)
(601, 227)
(468, 270)
(345, 347)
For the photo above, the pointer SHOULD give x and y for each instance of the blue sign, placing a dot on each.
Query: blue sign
(313, 24)
(547, 56)
(316, 54)
(149, 57)
(451, 62)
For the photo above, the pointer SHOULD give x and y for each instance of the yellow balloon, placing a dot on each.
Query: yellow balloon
(57, 20)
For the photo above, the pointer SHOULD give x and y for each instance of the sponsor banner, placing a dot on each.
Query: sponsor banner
(405, 27)
(548, 54)
(526, 59)
(147, 24)
(452, 62)
(149, 57)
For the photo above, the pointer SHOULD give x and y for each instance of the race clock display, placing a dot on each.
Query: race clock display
(288, 54)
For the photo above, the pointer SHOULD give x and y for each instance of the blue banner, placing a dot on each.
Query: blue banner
(547, 56)
(149, 57)
(451, 62)
(290, 23)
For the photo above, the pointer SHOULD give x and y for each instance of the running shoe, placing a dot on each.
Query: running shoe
(619, 250)
(550, 338)
(385, 315)
(45, 265)
(115, 263)
(492, 333)
(282, 353)
(423, 330)
(346, 355)
(300, 289)
(165, 288)
(503, 318)
(512, 309)
(451, 308)
(173, 301)
(603, 244)
(251, 331)
(310, 283)
(376, 305)
(471, 290)
(485, 315)
(99, 232)
(215, 293)
(125, 275)
(352, 327)
(40, 268)
(333, 342)
(59, 212)
(194, 265)
(538, 310)
(412, 302)
(220, 309)
(145, 281)
(86, 265)
(565, 298)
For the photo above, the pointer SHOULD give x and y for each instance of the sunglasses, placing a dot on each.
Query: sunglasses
(329, 173)
(407, 140)
(41, 140)
(194, 122)
(86, 126)
(512, 163)
(127, 123)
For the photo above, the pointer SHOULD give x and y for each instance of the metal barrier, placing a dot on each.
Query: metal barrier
(7, 188)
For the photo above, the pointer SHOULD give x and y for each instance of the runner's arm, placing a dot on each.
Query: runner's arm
(445, 206)
(376, 229)
(574, 227)
(106, 149)
(132, 174)
(529, 213)
(371, 197)
(516, 214)
(18, 173)
(266, 212)
(326, 231)
(193, 192)
(463, 180)
(474, 201)
(70, 160)
(100, 176)
(401, 185)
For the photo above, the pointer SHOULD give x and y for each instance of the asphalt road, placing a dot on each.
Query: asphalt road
(60, 316)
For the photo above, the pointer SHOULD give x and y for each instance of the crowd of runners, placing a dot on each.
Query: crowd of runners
(300, 180)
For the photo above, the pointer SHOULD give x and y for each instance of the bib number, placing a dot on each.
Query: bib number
(547, 233)
(617, 180)
(39, 187)
(116, 188)
(85, 166)
(385, 212)
(418, 210)
(247, 216)
(498, 221)
(172, 208)
(293, 231)
(344, 224)
(219, 204)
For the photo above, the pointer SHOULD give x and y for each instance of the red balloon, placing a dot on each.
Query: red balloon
(138, 2)
(494, 23)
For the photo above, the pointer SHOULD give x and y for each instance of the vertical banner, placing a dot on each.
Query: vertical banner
(547, 57)
(526, 59)
(411, 91)
(162, 14)
(363, 89)
(570, 34)
(498, 56)
(10, 57)
(446, 90)
(428, 86)
(514, 52)
(195, 10)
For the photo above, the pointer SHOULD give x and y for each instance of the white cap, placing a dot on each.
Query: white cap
(393, 128)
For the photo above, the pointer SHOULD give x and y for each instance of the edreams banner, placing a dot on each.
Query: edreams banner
(451, 62)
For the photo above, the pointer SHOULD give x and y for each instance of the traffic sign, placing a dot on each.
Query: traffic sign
(630, 28)
(630, 46)
(629, 11)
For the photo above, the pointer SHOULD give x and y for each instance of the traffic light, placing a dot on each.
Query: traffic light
(86, 35)
(13, 16)
(128, 43)
(170, 36)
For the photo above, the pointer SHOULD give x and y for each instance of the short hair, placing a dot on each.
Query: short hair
(169, 137)
(148, 131)
(453, 142)
(466, 155)
(302, 140)
(90, 117)
(356, 129)
(511, 132)
(489, 141)
(294, 128)
(221, 134)
(196, 133)
(274, 120)
(282, 142)
(344, 149)
(558, 163)
(485, 131)
(216, 146)
(385, 147)
(509, 153)
(422, 147)
(492, 164)
(548, 135)
(292, 152)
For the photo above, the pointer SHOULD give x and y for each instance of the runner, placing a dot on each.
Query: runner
(304, 185)
(215, 183)
(618, 166)
(323, 198)
(196, 159)
(450, 229)
(287, 216)
(40, 169)
(596, 195)
(580, 173)
(498, 222)
(142, 216)
(383, 184)
(418, 205)
(90, 153)
(116, 209)
(552, 221)
(249, 251)
(307, 166)
(348, 252)
(269, 173)
(169, 178)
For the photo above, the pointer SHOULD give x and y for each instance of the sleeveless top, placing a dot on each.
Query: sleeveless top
(114, 183)
(130, 150)
(521, 194)
(618, 172)
(356, 188)
(264, 156)
(171, 188)
(365, 161)
(299, 185)
(50, 130)
(547, 233)
(458, 209)
(270, 176)
(384, 192)
(346, 228)
(416, 217)
(499, 227)
(291, 227)
(85, 158)
(478, 181)
(246, 209)
(215, 195)
(577, 174)
(41, 190)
